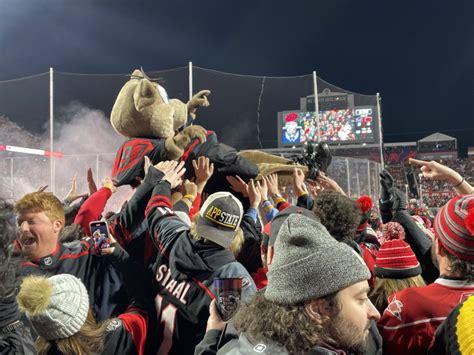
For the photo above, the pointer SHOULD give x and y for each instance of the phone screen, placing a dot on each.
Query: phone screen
(100, 234)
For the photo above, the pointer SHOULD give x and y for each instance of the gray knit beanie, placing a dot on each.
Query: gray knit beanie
(56, 306)
(310, 264)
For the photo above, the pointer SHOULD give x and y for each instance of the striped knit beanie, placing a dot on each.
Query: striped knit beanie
(392, 230)
(454, 226)
(395, 258)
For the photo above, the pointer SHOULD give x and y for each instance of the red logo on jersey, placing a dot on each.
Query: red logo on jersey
(395, 308)
(130, 154)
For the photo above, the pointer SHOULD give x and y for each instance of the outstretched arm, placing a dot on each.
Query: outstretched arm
(92, 208)
(200, 99)
(163, 224)
(435, 171)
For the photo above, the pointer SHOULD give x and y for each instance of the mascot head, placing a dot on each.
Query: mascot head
(142, 109)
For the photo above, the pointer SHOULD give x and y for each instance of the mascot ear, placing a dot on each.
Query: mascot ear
(145, 94)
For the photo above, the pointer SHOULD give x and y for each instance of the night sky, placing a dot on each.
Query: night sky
(419, 55)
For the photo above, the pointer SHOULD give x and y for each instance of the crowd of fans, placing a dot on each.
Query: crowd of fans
(327, 275)
(435, 193)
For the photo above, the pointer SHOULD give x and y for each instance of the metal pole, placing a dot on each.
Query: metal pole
(358, 183)
(11, 172)
(316, 104)
(348, 178)
(379, 113)
(190, 80)
(51, 129)
(97, 167)
(421, 191)
(368, 177)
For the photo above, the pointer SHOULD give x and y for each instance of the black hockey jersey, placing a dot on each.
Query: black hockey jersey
(184, 272)
(129, 160)
(107, 294)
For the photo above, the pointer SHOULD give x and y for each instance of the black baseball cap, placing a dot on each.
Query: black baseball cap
(219, 217)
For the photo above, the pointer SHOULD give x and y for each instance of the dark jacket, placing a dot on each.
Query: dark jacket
(229, 341)
(242, 345)
(184, 273)
(15, 337)
(127, 333)
(107, 294)
(417, 239)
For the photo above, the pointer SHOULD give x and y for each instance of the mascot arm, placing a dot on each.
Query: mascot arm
(200, 99)
(175, 146)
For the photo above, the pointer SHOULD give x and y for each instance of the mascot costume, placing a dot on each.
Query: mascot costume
(163, 129)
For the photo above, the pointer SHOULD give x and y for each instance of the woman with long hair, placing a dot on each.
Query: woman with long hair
(59, 310)
(396, 266)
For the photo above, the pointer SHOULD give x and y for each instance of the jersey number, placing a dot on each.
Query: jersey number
(167, 318)
(127, 157)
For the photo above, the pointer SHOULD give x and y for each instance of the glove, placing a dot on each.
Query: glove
(399, 199)
(386, 181)
(176, 145)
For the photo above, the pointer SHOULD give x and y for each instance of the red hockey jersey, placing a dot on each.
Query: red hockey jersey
(410, 320)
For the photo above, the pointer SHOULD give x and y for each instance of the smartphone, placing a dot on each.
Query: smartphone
(100, 235)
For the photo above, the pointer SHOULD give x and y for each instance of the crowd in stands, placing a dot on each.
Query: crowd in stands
(435, 193)
(321, 274)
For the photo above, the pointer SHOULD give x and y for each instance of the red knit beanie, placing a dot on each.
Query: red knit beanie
(365, 205)
(396, 260)
(454, 226)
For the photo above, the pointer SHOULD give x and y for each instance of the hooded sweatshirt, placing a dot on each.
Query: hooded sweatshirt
(184, 270)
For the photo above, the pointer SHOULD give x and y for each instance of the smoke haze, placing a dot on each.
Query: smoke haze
(87, 140)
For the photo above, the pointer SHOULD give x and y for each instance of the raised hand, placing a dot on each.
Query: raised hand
(173, 175)
(254, 192)
(329, 184)
(166, 166)
(386, 181)
(215, 320)
(203, 170)
(262, 189)
(315, 188)
(90, 182)
(272, 183)
(434, 170)
(399, 199)
(163, 166)
(73, 195)
(298, 182)
(238, 185)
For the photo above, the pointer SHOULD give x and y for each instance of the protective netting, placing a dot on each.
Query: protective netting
(247, 112)
(244, 109)
(25, 102)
